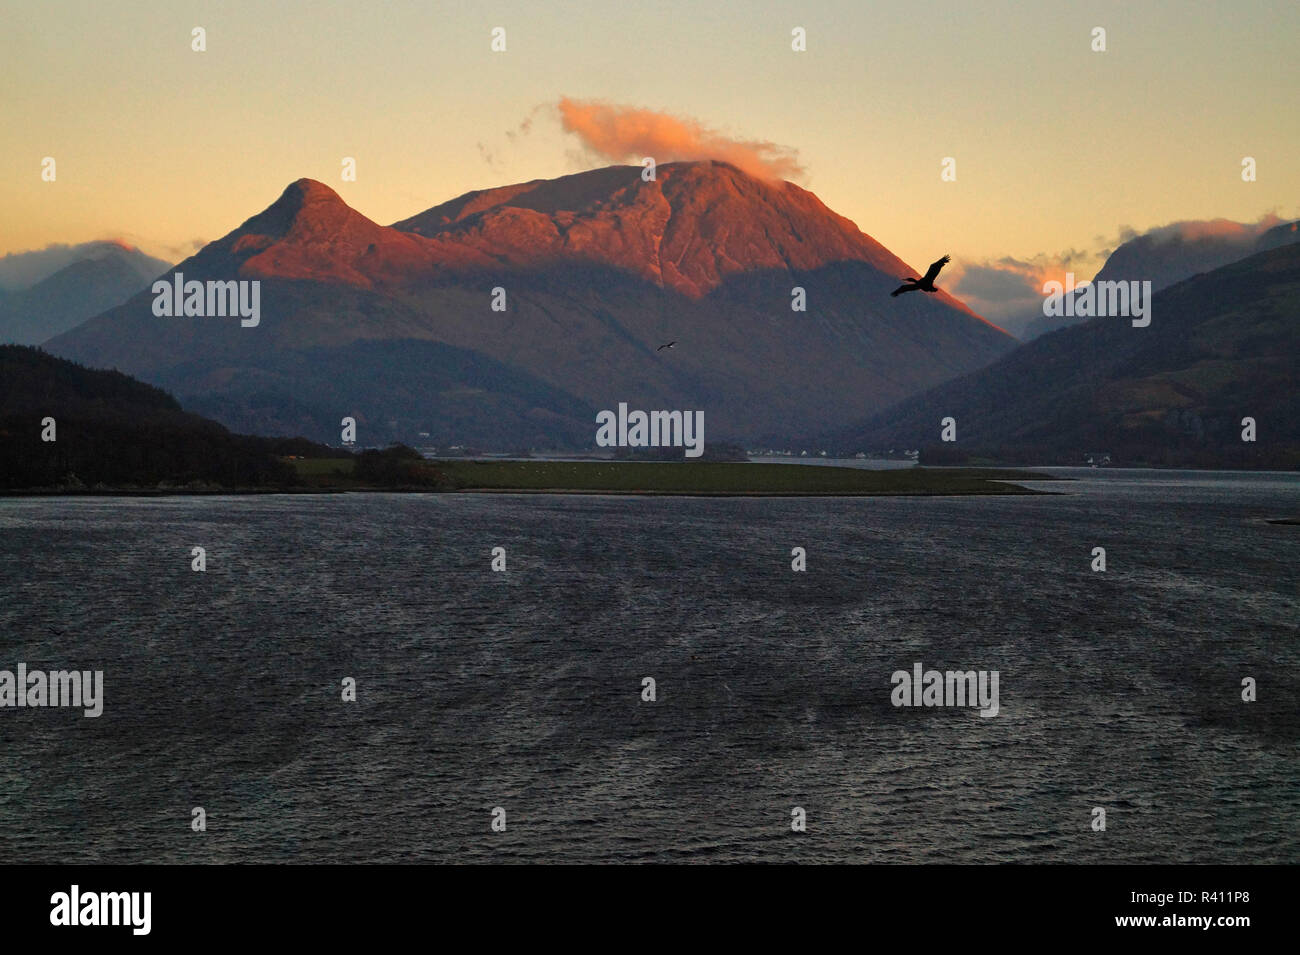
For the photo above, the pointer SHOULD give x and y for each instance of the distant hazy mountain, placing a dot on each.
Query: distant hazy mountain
(1221, 347)
(598, 270)
(111, 429)
(102, 275)
(1173, 253)
(20, 270)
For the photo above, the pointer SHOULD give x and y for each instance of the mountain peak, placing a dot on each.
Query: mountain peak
(310, 233)
(310, 190)
(304, 199)
(110, 246)
(688, 229)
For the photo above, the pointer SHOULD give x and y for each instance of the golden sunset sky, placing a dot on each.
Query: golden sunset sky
(1057, 147)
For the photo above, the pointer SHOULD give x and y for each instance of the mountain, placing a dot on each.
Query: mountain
(696, 225)
(1173, 253)
(598, 269)
(20, 270)
(1278, 236)
(433, 394)
(111, 429)
(105, 274)
(1220, 347)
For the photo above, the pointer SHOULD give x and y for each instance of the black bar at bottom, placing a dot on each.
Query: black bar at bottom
(301, 904)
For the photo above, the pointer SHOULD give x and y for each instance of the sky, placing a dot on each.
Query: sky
(1058, 149)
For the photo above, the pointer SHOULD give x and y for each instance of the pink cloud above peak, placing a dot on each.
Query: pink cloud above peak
(626, 133)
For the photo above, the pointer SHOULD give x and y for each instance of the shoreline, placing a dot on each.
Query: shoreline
(404, 475)
(1012, 490)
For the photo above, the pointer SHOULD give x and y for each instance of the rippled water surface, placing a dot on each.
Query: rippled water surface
(523, 690)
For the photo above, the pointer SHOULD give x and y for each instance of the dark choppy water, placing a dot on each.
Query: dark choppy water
(522, 690)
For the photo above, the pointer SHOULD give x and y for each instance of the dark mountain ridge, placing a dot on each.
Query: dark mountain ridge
(1221, 347)
(1166, 256)
(109, 429)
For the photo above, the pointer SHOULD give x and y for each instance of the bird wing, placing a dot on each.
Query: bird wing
(909, 287)
(933, 272)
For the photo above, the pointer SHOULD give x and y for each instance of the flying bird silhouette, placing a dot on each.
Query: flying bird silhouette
(669, 345)
(926, 284)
